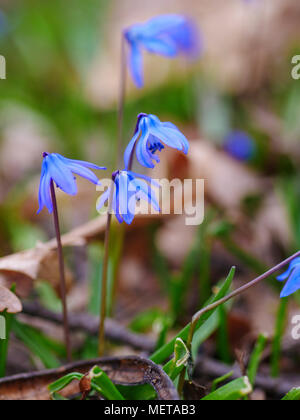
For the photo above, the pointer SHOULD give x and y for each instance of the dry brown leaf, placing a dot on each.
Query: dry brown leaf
(227, 182)
(41, 262)
(129, 371)
(9, 301)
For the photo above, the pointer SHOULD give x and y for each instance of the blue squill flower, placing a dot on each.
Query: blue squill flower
(240, 145)
(62, 172)
(167, 35)
(293, 277)
(151, 136)
(129, 188)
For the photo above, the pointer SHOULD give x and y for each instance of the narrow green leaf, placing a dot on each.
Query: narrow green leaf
(164, 352)
(293, 395)
(256, 358)
(233, 391)
(179, 361)
(8, 319)
(62, 383)
(218, 381)
(58, 397)
(278, 336)
(40, 345)
(223, 336)
(102, 384)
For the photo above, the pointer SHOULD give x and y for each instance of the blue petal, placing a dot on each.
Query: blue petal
(44, 191)
(167, 135)
(146, 193)
(136, 65)
(142, 151)
(130, 148)
(116, 202)
(162, 24)
(81, 163)
(187, 38)
(124, 198)
(61, 175)
(292, 266)
(146, 178)
(165, 47)
(103, 199)
(83, 172)
(293, 284)
(183, 139)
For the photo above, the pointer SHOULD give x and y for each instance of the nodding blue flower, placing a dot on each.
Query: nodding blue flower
(167, 35)
(151, 136)
(293, 277)
(62, 172)
(240, 145)
(129, 188)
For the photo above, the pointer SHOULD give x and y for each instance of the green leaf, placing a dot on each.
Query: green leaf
(40, 345)
(164, 352)
(293, 395)
(8, 319)
(58, 397)
(218, 381)
(235, 390)
(102, 384)
(223, 336)
(278, 336)
(256, 358)
(179, 361)
(144, 321)
(64, 382)
(48, 297)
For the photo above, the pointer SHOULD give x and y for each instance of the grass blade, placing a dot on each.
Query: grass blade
(164, 352)
(293, 395)
(235, 390)
(256, 358)
(62, 383)
(279, 332)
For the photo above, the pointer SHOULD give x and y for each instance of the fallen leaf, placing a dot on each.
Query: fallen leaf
(9, 301)
(130, 371)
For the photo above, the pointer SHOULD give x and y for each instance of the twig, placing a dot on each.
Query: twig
(90, 324)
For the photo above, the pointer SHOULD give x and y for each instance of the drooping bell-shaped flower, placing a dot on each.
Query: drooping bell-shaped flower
(292, 275)
(152, 136)
(167, 35)
(62, 172)
(129, 188)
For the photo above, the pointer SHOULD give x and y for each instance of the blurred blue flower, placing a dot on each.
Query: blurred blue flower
(129, 188)
(167, 35)
(240, 145)
(62, 172)
(293, 277)
(151, 136)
